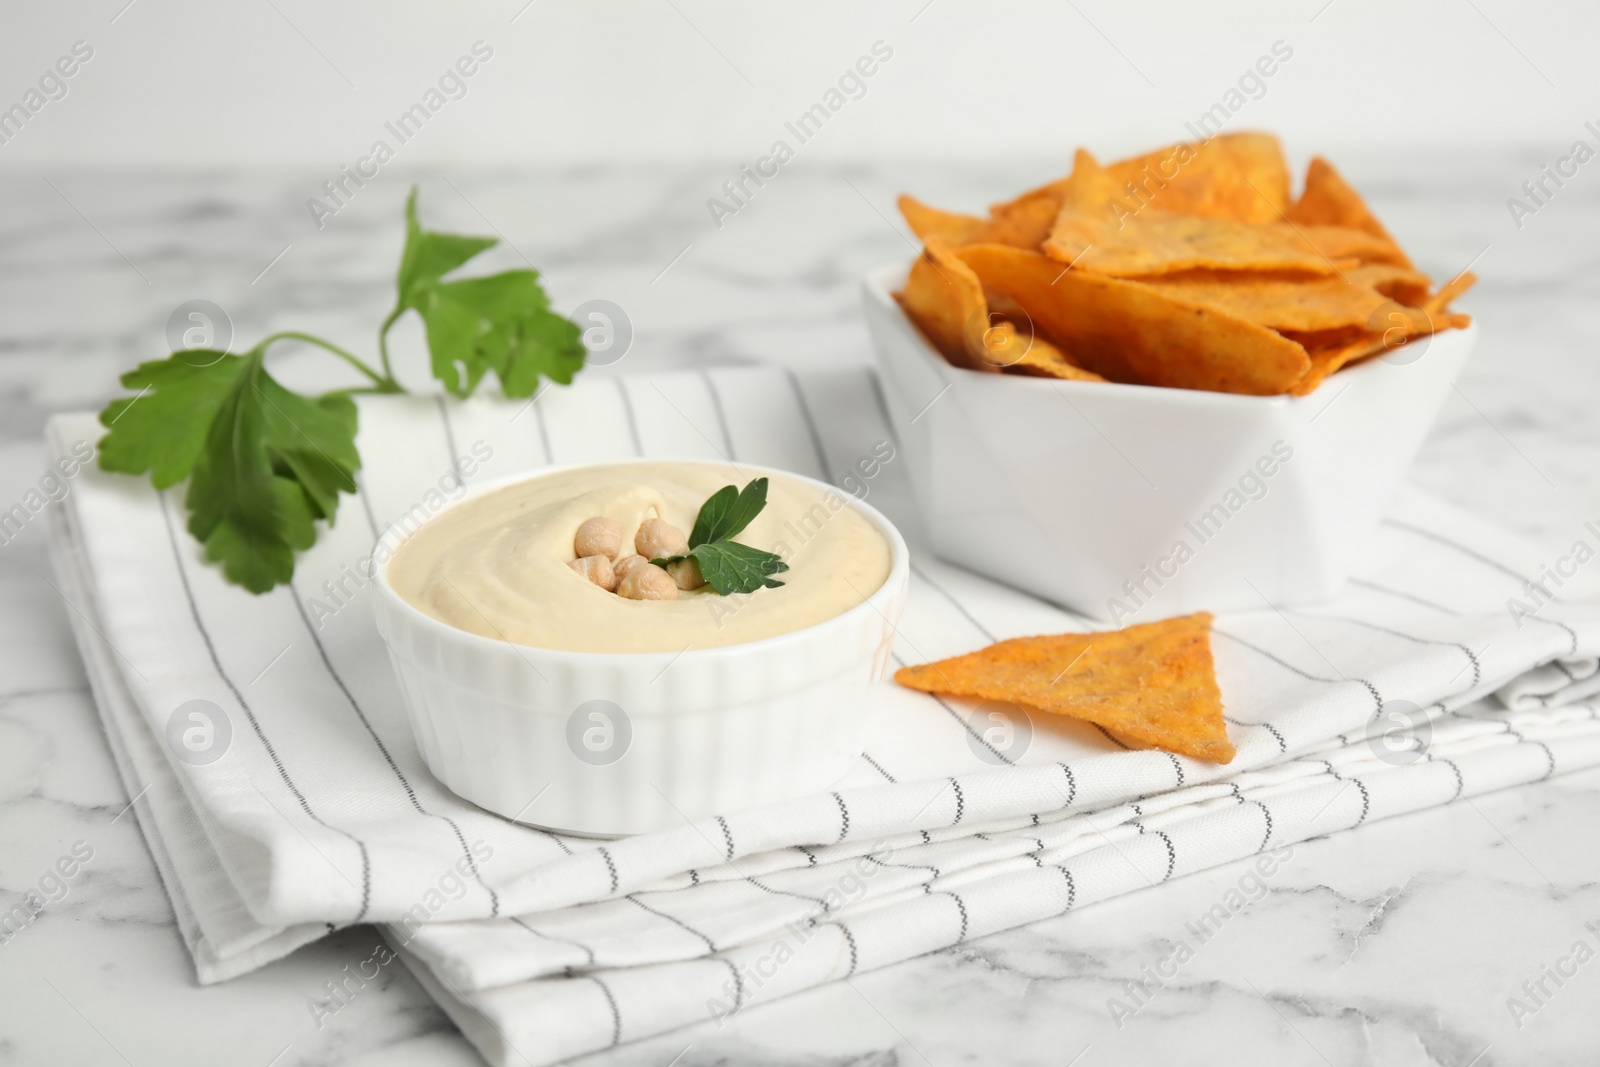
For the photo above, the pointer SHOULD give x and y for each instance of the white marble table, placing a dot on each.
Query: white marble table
(1397, 944)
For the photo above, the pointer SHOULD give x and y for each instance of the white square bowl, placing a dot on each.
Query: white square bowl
(1129, 503)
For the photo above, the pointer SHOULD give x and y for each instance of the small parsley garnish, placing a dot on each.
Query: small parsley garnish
(727, 566)
(264, 463)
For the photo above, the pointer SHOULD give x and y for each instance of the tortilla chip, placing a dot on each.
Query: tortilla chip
(1130, 332)
(1240, 176)
(1401, 326)
(945, 299)
(1154, 242)
(1024, 223)
(1033, 356)
(927, 222)
(1314, 341)
(1152, 684)
(1329, 200)
(1343, 242)
(1449, 291)
(1187, 267)
(1279, 301)
(1101, 229)
(1409, 287)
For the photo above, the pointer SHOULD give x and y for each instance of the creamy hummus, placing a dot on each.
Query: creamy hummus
(496, 565)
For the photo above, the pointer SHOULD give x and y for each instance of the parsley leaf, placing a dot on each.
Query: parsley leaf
(163, 429)
(727, 566)
(429, 256)
(501, 322)
(728, 512)
(272, 462)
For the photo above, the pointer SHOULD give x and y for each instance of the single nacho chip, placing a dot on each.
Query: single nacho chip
(1129, 332)
(1449, 291)
(956, 230)
(1024, 223)
(945, 299)
(1409, 287)
(1090, 209)
(1329, 200)
(1152, 684)
(1314, 341)
(1015, 345)
(1154, 242)
(1033, 356)
(1398, 326)
(1279, 301)
(1100, 228)
(1393, 326)
(1344, 242)
(1240, 176)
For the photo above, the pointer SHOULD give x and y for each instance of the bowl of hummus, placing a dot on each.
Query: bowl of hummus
(610, 649)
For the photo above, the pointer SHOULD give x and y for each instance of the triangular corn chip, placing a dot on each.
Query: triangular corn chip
(1024, 223)
(1281, 302)
(1409, 287)
(1343, 242)
(1101, 229)
(1329, 200)
(1152, 684)
(1033, 356)
(944, 297)
(925, 221)
(1240, 176)
(1393, 327)
(1129, 332)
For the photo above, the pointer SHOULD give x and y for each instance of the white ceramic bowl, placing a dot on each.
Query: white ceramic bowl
(1130, 503)
(609, 744)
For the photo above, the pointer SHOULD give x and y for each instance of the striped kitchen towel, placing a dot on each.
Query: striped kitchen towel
(283, 797)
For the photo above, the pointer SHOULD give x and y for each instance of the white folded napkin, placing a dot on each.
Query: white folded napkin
(319, 812)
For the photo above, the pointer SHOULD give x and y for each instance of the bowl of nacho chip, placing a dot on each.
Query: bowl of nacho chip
(1165, 384)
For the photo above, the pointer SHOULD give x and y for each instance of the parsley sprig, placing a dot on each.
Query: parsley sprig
(265, 463)
(727, 566)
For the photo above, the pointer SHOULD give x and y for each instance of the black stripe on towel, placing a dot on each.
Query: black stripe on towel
(255, 726)
(411, 794)
(589, 952)
(616, 1013)
(674, 920)
(811, 426)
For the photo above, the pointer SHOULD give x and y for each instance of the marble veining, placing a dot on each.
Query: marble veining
(1402, 943)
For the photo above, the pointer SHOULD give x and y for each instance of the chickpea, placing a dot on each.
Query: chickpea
(626, 564)
(597, 569)
(598, 536)
(658, 538)
(686, 572)
(648, 582)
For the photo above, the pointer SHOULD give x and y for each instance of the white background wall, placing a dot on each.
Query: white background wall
(191, 83)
